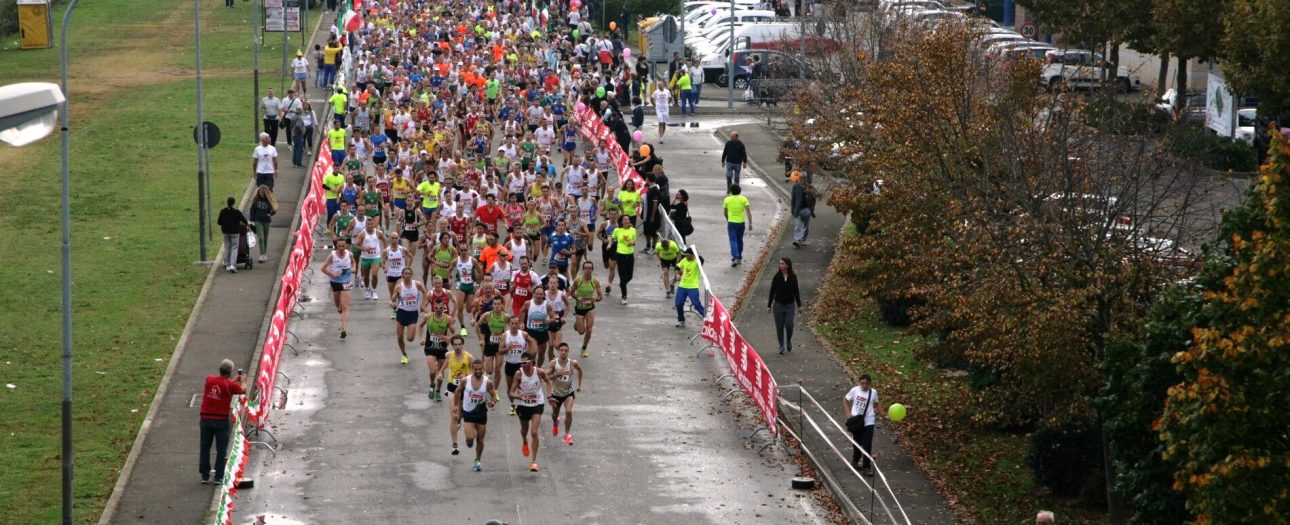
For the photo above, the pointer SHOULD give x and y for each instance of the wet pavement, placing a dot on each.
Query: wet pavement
(360, 442)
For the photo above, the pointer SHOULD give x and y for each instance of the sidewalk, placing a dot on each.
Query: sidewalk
(160, 483)
(810, 363)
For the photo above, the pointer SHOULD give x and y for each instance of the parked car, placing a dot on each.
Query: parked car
(1079, 68)
(1192, 112)
(784, 74)
(717, 70)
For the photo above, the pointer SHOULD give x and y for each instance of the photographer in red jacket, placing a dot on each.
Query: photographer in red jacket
(217, 396)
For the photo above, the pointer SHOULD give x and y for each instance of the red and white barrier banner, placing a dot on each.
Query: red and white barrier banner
(256, 410)
(595, 131)
(746, 366)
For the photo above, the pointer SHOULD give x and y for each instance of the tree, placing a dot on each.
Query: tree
(1224, 424)
(1256, 52)
(1028, 236)
(1188, 29)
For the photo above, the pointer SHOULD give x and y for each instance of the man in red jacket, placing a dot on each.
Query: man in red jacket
(215, 425)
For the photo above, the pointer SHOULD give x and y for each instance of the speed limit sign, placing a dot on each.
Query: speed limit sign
(1028, 30)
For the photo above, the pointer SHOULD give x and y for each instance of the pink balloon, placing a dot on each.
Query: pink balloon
(627, 53)
(580, 107)
(637, 135)
(575, 4)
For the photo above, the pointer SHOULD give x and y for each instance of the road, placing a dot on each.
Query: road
(361, 443)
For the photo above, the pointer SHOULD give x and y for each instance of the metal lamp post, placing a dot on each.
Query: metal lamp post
(730, 68)
(67, 275)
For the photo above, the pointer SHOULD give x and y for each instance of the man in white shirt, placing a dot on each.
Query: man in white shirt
(271, 106)
(300, 68)
(662, 102)
(860, 405)
(265, 162)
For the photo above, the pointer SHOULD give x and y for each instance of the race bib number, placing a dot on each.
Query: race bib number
(529, 398)
(476, 398)
(436, 338)
(492, 339)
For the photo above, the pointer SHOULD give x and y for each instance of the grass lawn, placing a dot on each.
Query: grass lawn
(134, 223)
(981, 471)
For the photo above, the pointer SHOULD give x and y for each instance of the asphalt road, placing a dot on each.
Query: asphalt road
(361, 443)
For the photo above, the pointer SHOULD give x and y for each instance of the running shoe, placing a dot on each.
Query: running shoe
(524, 449)
(391, 314)
(496, 396)
(513, 413)
(568, 439)
(680, 324)
(609, 289)
(533, 467)
(438, 396)
(555, 429)
(343, 334)
(624, 300)
(430, 395)
(454, 449)
(403, 360)
(479, 467)
(464, 332)
(585, 353)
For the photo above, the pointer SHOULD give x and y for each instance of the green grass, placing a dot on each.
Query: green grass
(983, 470)
(134, 223)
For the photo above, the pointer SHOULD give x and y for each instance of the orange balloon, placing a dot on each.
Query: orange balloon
(613, 26)
(645, 150)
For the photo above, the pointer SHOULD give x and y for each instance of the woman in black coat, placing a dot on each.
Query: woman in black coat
(783, 303)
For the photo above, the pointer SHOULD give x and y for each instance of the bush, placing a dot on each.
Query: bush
(1124, 117)
(1212, 151)
(895, 310)
(1065, 455)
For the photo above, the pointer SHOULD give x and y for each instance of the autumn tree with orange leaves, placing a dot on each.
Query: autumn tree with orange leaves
(1225, 425)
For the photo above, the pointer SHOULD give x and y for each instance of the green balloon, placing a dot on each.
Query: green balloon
(536, 33)
(576, 33)
(896, 412)
(600, 92)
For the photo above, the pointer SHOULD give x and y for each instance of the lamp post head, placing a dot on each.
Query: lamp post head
(28, 111)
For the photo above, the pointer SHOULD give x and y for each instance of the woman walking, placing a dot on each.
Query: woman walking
(783, 303)
(263, 206)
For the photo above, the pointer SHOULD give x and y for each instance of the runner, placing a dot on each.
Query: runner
(370, 242)
(625, 247)
(464, 271)
(409, 300)
(586, 293)
(522, 283)
(518, 344)
(562, 246)
(608, 251)
(439, 326)
(530, 390)
(667, 250)
(395, 261)
(339, 267)
(560, 371)
(538, 315)
(439, 256)
(491, 327)
(559, 301)
(477, 397)
(458, 370)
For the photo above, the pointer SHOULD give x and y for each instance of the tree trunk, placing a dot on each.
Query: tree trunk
(1163, 77)
(1114, 503)
(1180, 84)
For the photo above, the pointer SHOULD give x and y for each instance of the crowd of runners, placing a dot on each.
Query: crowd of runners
(454, 147)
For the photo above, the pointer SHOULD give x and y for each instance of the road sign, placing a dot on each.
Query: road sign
(212, 135)
(1028, 30)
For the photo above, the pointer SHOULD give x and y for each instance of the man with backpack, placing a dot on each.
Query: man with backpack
(803, 208)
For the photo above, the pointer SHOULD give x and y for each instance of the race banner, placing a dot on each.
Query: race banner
(745, 364)
(235, 467)
(596, 132)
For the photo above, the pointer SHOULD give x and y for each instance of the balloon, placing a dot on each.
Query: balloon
(637, 135)
(613, 26)
(713, 11)
(896, 412)
(600, 92)
(580, 107)
(536, 33)
(576, 34)
(627, 53)
(575, 4)
(795, 176)
(645, 150)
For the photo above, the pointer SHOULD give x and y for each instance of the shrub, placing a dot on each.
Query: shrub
(1212, 151)
(895, 310)
(1065, 455)
(1124, 117)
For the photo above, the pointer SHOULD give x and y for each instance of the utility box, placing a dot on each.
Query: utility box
(663, 38)
(35, 24)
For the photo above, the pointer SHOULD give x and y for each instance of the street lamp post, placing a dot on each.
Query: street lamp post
(67, 274)
(730, 61)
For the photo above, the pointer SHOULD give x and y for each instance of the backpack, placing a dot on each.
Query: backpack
(808, 200)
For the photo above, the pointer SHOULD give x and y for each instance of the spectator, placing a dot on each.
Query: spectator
(217, 396)
(696, 79)
(861, 405)
(320, 73)
(231, 221)
(291, 106)
(803, 208)
(685, 83)
(738, 214)
(272, 107)
(783, 303)
(300, 72)
(734, 157)
(687, 286)
(263, 207)
(264, 160)
(331, 57)
(1045, 517)
(680, 214)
